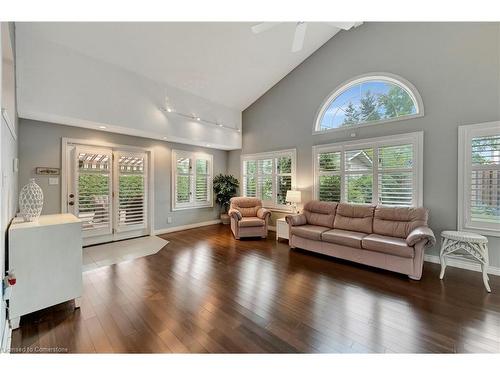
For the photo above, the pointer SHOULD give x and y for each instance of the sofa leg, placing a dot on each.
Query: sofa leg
(414, 277)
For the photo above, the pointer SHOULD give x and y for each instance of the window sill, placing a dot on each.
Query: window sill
(191, 207)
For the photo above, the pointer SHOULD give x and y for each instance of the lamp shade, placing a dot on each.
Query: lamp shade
(293, 196)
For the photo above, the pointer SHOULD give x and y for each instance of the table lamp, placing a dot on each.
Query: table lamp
(293, 197)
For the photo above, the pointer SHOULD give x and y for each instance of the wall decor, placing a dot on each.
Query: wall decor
(48, 171)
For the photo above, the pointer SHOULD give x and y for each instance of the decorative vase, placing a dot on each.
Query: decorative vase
(31, 201)
(224, 218)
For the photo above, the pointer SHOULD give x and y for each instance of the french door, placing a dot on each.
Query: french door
(107, 191)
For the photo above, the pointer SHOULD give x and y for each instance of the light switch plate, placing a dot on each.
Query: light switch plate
(53, 180)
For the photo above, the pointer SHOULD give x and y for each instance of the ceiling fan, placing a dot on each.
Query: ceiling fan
(300, 30)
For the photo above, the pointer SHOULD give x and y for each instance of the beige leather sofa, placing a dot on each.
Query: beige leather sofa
(248, 217)
(392, 238)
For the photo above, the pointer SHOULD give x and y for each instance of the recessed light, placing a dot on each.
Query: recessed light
(239, 131)
(164, 138)
(221, 125)
(208, 145)
(102, 127)
(198, 119)
(169, 109)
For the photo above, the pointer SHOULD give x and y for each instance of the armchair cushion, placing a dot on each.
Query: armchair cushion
(235, 214)
(295, 220)
(252, 222)
(419, 234)
(263, 213)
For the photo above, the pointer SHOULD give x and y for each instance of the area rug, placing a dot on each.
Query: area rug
(115, 252)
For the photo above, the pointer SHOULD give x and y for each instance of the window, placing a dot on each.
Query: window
(479, 178)
(386, 170)
(268, 176)
(192, 180)
(369, 99)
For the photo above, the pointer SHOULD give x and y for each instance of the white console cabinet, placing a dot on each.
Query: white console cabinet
(46, 256)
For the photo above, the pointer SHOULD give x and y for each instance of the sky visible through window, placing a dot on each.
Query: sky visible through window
(369, 101)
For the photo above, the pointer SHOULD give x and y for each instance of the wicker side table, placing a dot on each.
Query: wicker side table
(465, 245)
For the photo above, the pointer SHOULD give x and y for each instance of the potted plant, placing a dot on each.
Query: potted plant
(224, 189)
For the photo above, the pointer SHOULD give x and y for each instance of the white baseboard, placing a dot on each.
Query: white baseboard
(187, 226)
(458, 263)
(6, 338)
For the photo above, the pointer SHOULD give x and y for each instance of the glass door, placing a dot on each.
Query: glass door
(131, 194)
(91, 197)
(108, 192)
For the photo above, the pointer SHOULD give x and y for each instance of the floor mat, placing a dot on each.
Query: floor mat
(120, 251)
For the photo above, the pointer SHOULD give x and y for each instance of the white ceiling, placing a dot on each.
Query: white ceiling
(222, 62)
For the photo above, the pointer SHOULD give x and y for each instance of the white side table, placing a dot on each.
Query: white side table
(465, 245)
(282, 229)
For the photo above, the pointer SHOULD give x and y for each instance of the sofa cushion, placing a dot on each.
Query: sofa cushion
(343, 237)
(311, 232)
(251, 222)
(398, 221)
(354, 217)
(389, 245)
(320, 213)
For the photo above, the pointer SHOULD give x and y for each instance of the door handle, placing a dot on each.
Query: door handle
(71, 203)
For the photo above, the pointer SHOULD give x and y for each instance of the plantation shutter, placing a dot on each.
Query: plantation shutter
(329, 176)
(93, 190)
(265, 180)
(192, 176)
(283, 178)
(485, 179)
(201, 180)
(395, 177)
(132, 202)
(359, 175)
(250, 178)
(183, 180)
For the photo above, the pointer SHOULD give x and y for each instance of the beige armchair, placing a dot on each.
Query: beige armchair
(248, 217)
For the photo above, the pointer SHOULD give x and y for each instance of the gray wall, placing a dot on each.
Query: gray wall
(455, 67)
(40, 146)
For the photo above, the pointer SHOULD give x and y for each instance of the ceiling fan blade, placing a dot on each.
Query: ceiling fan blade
(264, 26)
(298, 38)
(343, 25)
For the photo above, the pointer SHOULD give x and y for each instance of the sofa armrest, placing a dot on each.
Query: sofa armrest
(263, 213)
(235, 214)
(295, 220)
(419, 234)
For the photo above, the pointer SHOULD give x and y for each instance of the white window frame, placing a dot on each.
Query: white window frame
(465, 135)
(379, 76)
(416, 139)
(274, 206)
(193, 156)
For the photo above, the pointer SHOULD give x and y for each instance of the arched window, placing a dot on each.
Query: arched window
(369, 99)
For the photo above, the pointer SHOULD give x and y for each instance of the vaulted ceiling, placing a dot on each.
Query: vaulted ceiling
(223, 62)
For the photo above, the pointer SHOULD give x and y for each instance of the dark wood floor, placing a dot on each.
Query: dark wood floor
(206, 292)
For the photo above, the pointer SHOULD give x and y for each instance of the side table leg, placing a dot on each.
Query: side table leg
(485, 277)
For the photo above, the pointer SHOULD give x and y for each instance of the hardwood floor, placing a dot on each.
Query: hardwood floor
(208, 293)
